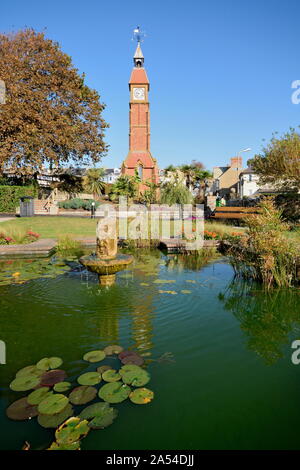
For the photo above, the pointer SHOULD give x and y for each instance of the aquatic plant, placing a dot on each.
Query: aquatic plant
(265, 254)
(58, 411)
(99, 415)
(82, 395)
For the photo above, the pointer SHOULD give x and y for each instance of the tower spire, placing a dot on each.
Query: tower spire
(138, 58)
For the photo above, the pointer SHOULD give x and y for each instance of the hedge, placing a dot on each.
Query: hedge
(10, 196)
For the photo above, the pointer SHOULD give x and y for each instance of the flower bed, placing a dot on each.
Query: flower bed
(28, 237)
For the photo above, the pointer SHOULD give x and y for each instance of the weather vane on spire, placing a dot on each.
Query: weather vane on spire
(138, 35)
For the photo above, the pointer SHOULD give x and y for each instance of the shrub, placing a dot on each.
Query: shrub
(10, 196)
(77, 203)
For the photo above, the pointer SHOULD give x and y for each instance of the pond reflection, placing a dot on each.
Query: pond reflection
(266, 317)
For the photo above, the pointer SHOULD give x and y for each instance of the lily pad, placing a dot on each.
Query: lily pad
(52, 421)
(53, 404)
(141, 396)
(24, 383)
(21, 410)
(136, 377)
(111, 376)
(89, 378)
(49, 363)
(94, 356)
(173, 292)
(71, 431)
(100, 414)
(29, 370)
(62, 386)
(102, 369)
(133, 359)
(185, 291)
(113, 349)
(82, 395)
(125, 353)
(52, 377)
(34, 398)
(164, 281)
(129, 367)
(114, 392)
(72, 446)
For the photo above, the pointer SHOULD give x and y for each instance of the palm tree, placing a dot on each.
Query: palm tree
(93, 181)
(125, 186)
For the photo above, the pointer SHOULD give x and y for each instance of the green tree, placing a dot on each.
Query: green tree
(93, 181)
(279, 165)
(50, 117)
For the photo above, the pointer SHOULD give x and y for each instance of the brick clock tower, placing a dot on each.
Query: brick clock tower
(139, 158)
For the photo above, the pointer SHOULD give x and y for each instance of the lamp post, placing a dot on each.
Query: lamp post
(238, 155)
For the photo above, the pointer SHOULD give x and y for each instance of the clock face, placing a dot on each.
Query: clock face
(139, 93)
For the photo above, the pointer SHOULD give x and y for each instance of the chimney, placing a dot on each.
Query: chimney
(236, 162)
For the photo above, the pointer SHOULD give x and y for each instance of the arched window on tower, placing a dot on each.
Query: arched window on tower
(140, 171)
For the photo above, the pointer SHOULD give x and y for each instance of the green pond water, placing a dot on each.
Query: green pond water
(231, 383)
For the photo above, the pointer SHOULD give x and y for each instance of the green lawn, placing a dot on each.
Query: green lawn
(53, 227)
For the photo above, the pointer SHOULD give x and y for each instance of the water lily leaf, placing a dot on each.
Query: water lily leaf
(141, 396)
(89, 378)
(62, 386)
(126, 353)
(113, 349)
(129, 367)
(191, 281)
(72, 446)
(82, 395)
(114, 392)
(100, 414)
(133, 359)
(173, 292)
(49, 363)
(29, 370)
(34, 398)
(21, 410)
(164, 281)
(144, 284)
(111, 376)
(53, 404)
(184, 291)
(71, 431)
(52, 421)
(136, 377)
(94, 356)
(24, 383)
(102, 369)
(52, 377)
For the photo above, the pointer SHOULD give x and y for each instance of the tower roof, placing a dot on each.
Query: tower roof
(138, 76)
(138, 53)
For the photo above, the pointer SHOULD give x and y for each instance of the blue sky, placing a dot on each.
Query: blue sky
(220, 71)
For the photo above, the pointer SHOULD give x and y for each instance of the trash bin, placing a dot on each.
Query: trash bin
(26, 206)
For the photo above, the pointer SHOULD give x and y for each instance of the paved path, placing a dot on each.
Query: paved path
(4, 219)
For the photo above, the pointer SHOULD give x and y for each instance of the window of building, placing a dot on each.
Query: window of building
(140, 171)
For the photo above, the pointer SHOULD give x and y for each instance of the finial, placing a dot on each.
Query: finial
(138, 35)
(138, 58)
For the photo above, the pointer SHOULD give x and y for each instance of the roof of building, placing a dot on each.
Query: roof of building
(247, 171)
